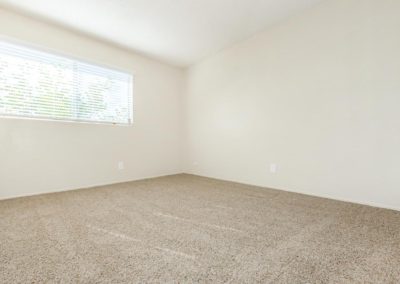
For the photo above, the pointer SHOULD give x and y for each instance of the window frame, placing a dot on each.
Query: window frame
(65, 55)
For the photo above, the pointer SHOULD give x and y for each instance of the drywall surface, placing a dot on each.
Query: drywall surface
(317, 96)
(42, 156)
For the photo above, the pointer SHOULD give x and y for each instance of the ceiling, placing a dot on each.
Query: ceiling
(179, 32)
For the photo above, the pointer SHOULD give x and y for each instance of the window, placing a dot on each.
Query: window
(37, 84)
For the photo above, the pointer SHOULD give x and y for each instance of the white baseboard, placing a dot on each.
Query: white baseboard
(366, 203)
(87, 186)
(372, 204)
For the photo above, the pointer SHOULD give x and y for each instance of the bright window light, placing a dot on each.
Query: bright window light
(36, 84)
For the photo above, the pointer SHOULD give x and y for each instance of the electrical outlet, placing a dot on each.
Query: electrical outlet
(121, 165)
(273, 168)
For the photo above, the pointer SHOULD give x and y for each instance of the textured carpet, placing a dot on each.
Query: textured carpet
(187, 229)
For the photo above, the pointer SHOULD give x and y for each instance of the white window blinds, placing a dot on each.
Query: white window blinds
(37, 84)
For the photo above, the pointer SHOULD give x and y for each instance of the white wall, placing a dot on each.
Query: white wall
(43, 156)
(319, 95)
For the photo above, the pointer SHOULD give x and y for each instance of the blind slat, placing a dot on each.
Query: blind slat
(42, 85)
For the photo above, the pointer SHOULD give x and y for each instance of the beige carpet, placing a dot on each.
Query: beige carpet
(187, 229)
